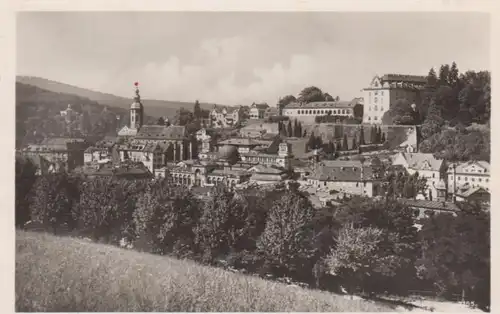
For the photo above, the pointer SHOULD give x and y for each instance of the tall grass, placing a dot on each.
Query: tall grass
(63, 274)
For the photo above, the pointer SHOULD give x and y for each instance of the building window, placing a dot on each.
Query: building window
(459, 178)
(487, 180)
(369, 108)
(375, 108)
(375, 118)
(433, 175)
(466, 179)
(376, 93)
(480, 180)
(473, 179)
(369, 118)
(382, 93)
(375, 100)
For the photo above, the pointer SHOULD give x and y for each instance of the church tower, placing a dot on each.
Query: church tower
(136, 110)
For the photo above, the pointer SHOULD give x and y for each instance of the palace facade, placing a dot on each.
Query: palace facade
(384, 91)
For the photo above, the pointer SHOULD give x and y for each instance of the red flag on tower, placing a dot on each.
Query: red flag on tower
(136, 83)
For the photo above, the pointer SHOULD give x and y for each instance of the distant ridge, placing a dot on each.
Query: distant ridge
(155, 108)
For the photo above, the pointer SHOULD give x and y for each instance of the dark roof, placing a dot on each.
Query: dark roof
(239, 142)
(342, 174)
(263, 169)
(469, 191)
(260, 106)
(109, 169)
(176, 132)
(436, 205)
(404, 78)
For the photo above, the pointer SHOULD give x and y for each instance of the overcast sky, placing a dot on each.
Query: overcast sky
(239, 58)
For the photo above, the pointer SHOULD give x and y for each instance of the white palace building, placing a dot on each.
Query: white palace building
(385, 90)
(307, 112)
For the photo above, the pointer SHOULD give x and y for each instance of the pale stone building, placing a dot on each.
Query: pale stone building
(427, 166)
(349, 177)
(472, 174)
(225, 117)
(258, 111)
(307, 112)
(385, 90)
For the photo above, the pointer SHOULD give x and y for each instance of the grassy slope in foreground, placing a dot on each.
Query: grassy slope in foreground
(64, 274)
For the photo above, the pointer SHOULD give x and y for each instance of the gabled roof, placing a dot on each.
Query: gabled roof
(468, 192)
(436, 205)
(404, 78)
(266, 169)
(260, 106)
(342, 174)
(462, 166)
(421, 161)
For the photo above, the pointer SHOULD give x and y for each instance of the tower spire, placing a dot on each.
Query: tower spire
(137, 96)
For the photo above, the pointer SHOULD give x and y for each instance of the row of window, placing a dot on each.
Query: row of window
(320, 112)
(374, 118)
(472, 179)
(375, 108)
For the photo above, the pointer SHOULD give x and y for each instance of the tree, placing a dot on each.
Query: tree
(358, 111)
(356, 255)
(311, 143)
(378, 135)
(283, 131)
(86, 123)
(184, 117)
(161, 121)
(197, 110)
(328, 97)
(444, 71)
(432, 80)
(214, 234)
(53, 198)
(433, 121)
(354, 144)
(453, 75)
(455, 145)
(283, 102)
(399, 245)
(104, 207)
(298, 132)
(399, 184)
(345, 145)
(25, 180)
(362, 136)
(286, 243)
(289, 129)
(339, 146)
(383, 139)
(455, 254)
(402, 112)
(165, 219)
(311, 94)
(373, 135)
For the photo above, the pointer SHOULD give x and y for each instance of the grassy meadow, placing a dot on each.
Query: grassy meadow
(58, 274)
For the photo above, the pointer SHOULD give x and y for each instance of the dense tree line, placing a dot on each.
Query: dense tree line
(290, 128)
(366, 245)
(451, 102)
